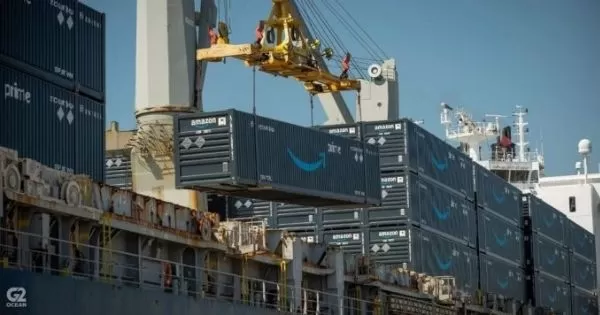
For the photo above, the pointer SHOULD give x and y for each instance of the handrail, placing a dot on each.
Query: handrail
(151, 275)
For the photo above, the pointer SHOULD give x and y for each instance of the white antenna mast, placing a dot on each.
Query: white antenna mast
(521, 125)
(585, 149)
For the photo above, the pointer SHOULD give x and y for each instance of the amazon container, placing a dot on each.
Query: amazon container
(582, 272)
(342, 218)
(497, 195)
(350, 240)
(403, 144)
(294, 217)
(581, 241)
(399, 196)
(394, 245)
(500, 238)
(352, 131)
(446, 212)
(441, 256)
(51, 125)
(118, 169)
(502, 278)
(548, 256)
(240, 208)
(583, 302)
(550, 292)
(59, 41)
(542, 218)
(233, 152)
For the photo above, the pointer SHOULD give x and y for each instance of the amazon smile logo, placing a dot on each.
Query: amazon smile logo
(307, 166)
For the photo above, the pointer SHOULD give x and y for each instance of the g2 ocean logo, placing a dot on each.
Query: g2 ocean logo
(16, 297)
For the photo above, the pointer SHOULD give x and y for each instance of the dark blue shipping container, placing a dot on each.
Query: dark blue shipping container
(293, 216)
(89, 122)
(447, 212)
(118, 169)
(582, 272)
(352, 131)
(583, 302)
(236, 153)
(62, 42)
(393, 245)
(350, 240)
(240, 208)
(91, 63)
(397, 143)
(49, 124)
(443, 257)
(552, 293)
(499, 237)
(497, 195)
(342, 218)
(544, 219)
(581, 241)
(502, 278)
(550, 257)
(396, 190)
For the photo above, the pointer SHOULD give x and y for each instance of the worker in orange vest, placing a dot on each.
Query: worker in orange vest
(258, 33)
(212, 35)
(345, 66)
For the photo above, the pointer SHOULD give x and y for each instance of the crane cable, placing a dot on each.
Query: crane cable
(323, 30)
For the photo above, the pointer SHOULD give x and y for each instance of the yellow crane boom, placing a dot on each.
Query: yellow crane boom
(283, 50)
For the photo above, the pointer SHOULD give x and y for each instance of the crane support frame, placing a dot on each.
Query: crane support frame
(285, 51)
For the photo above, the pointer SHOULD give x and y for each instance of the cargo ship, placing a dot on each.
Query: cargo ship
(233, 212)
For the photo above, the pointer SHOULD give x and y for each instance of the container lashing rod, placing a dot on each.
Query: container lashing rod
(245, 282)
(106, 243)
(281, 50)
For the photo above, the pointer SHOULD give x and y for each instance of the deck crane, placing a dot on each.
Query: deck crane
(286, 48)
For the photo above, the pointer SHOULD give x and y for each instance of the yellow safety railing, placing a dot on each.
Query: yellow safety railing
(106, 242)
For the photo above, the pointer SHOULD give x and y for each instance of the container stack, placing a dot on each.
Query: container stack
(52, 66)
(500, 236)
(582, 269)
(546, 255)
(118, 169)
(427, 219)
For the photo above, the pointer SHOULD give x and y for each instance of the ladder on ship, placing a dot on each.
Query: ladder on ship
(106, 247)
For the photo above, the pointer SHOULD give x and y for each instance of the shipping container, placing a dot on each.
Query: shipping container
(502, 278)
(552, 293)
(544, 219)
(91, 51)
(403, 144)
(397, 143)
(582, 272)
(224, 152)
(447, 212)
(548, 256)
(90, 122)
(443, 257)
(352, 131)
(51, 125)
(118, 169)
(295, 217)
(393, 245)
(396, 190)
(63, 43)
(350, 240)
(581, 241)
(499, 237)
(240, 208)
(583, 302)
(342, 218)
(497, 195)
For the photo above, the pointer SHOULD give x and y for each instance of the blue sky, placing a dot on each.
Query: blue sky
(485, 55)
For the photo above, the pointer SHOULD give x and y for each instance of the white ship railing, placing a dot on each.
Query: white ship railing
(258, 292)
